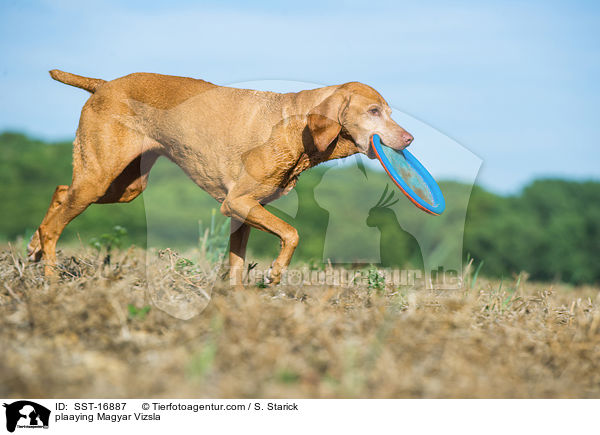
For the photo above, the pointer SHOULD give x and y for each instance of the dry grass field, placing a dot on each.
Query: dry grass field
(92, 332)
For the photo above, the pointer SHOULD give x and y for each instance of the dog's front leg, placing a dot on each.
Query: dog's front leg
(237, 251)
(247, 209)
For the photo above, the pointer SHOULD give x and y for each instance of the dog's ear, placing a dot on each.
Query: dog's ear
(325, 120)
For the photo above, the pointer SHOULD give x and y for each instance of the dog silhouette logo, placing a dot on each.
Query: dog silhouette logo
(26, 414)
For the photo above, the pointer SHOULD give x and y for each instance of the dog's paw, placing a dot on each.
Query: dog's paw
(267, 278)
(272, 278)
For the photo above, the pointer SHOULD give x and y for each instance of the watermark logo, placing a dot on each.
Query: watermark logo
(25, 414)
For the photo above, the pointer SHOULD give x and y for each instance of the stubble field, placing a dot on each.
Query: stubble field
(93, 331)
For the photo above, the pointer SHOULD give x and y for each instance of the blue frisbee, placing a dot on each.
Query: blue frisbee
(410, 176)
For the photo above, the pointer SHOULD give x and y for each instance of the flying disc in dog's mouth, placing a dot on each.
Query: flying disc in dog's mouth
(410, 176)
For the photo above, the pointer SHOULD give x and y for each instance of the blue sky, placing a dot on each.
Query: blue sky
(515, 83)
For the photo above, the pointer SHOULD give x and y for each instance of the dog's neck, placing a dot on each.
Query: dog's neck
(310, 157)
(342, 146)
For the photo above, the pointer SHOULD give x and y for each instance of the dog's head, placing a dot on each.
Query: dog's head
(356, 111)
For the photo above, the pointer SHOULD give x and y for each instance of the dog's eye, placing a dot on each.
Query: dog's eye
(374, 111)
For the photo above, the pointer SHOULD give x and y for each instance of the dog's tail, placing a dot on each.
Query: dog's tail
(87, 83)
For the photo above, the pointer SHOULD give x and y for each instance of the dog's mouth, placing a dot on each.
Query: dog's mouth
(395, 146)
(371, 153)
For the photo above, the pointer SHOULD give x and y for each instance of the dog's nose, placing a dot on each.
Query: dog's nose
(407, 138)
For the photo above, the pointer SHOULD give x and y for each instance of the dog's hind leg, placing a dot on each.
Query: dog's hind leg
(109, 167)
(34, 248)
(65, 206)
(127, 186)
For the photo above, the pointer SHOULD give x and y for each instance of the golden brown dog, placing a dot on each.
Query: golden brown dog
(244, 147)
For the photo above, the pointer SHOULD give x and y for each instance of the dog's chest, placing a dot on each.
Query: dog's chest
(301, 165)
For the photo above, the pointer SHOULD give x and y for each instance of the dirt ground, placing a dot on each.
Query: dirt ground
(93, 332)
